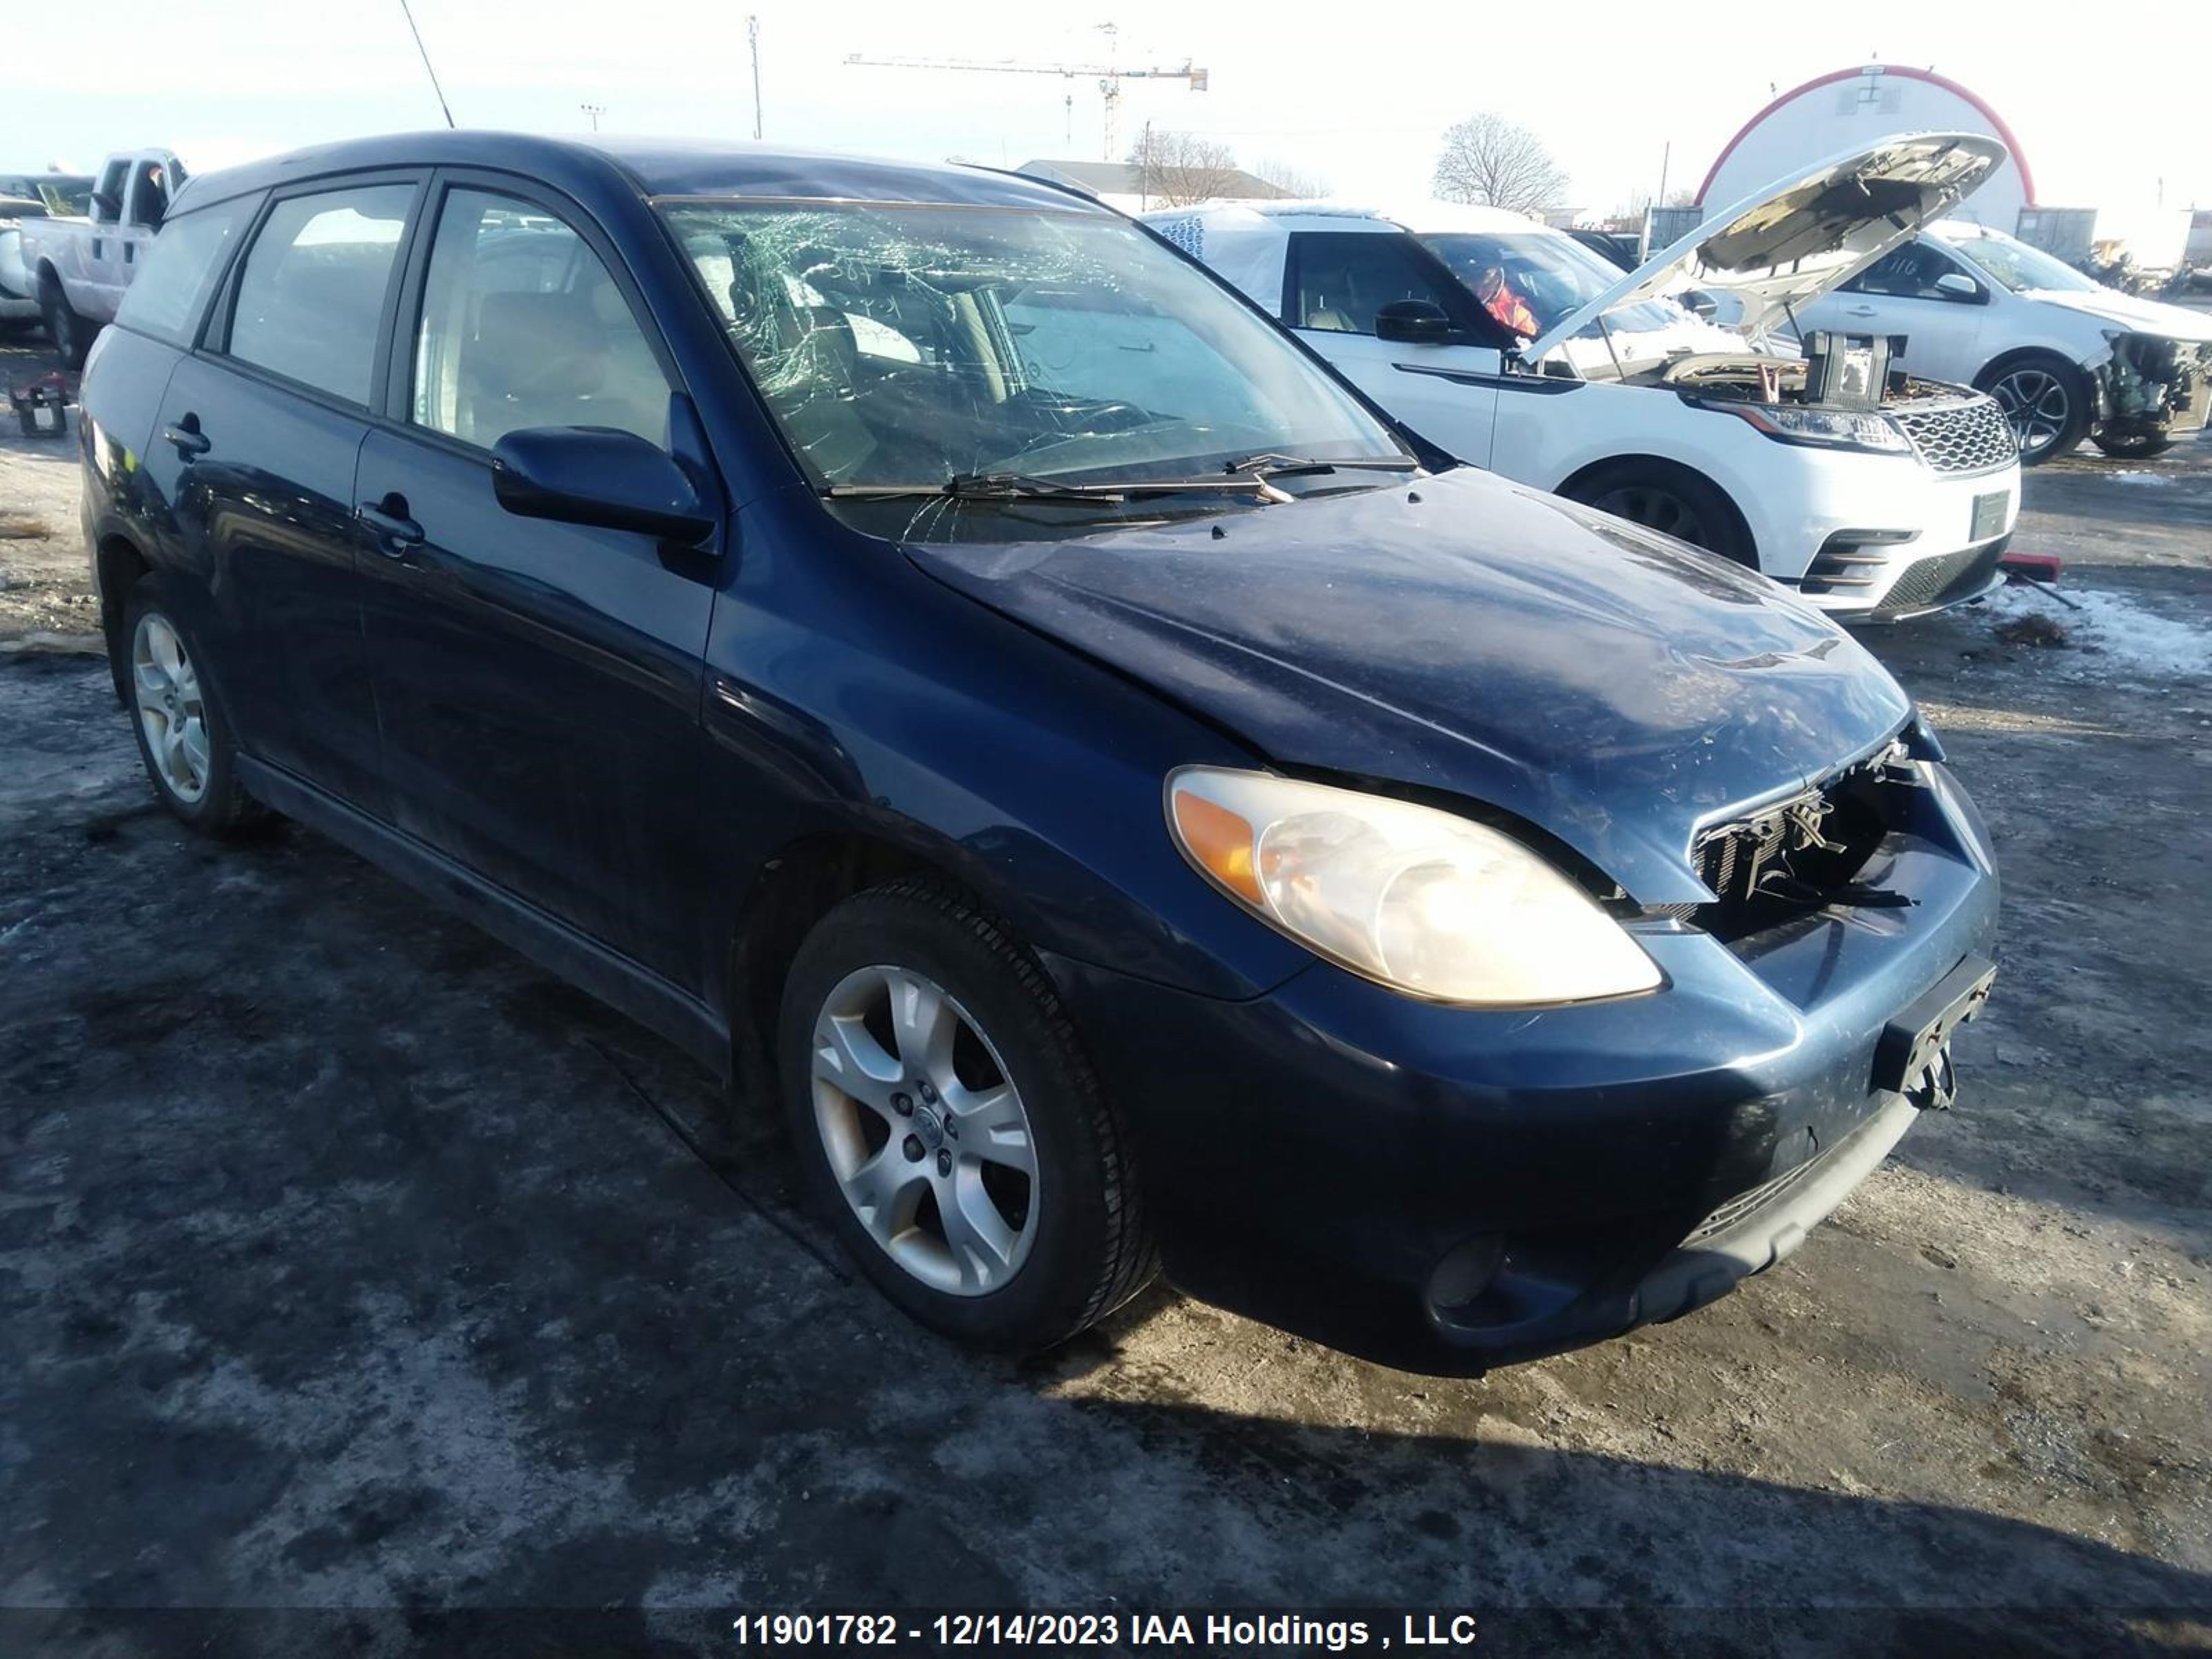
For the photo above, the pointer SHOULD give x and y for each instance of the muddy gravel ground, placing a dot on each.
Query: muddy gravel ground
(44, 605)
(349, 1263)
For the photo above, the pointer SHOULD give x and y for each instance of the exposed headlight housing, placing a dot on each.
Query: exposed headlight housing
(1433, 905)
(1826, 429)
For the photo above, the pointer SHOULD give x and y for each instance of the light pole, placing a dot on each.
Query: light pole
(593, 111)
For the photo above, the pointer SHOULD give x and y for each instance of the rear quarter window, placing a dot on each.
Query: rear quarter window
(172, 288)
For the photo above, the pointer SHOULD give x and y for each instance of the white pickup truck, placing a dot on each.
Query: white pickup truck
(81, 267)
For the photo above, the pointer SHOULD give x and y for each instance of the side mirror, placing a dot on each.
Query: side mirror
(107, 207)
(1957, 285)
(594, 475)
(1413, 322)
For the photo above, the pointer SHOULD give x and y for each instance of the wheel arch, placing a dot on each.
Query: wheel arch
(802, 881)
(117, 566)
(1638, 463)
(2014, 356)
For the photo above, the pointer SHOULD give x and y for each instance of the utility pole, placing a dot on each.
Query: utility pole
(753, 38)
(1145, 171)
(591, 113)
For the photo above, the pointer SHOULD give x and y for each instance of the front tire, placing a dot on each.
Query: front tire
(950, 1127)
(189, 754)
(1672, 499)
(2045, 401)
(2132, 445)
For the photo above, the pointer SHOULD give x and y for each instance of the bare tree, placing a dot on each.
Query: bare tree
(1291, 180)
(1175, 169)
(1487, 159)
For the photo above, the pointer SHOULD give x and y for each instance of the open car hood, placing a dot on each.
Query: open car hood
(1789, 244)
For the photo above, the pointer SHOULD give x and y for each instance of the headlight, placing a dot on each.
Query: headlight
(1433, 905)
(1831, 428)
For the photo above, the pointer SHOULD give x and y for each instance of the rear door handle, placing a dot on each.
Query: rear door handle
(186, 438)
(1859, 311)
(395, 531)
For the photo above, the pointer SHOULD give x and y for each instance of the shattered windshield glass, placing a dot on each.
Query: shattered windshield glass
(901, 345)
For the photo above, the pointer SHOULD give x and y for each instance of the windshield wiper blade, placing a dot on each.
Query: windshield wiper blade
(1013, 486)
(978, 487)
(1274, 465)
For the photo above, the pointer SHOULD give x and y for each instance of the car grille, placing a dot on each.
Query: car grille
(1744, 1203)
(1934, 582)
(1969, 437)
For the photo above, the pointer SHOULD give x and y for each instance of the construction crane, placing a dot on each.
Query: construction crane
(1110, 75)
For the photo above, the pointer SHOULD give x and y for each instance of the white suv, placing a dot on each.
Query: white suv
(1874, 495)
(2066, 356)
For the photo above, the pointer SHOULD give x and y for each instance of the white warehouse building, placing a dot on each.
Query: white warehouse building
(1853, 106)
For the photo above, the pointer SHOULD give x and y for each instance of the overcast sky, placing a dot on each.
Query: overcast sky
(1359, 95)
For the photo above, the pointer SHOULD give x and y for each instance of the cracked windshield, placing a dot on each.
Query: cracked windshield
(959, 355)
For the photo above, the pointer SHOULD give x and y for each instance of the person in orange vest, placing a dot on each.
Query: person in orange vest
(1501, 301)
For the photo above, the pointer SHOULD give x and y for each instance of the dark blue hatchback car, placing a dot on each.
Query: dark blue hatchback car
(926, 646)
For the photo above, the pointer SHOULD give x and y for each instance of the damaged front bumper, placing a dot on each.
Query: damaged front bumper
(1450, 1190)
(2150, 385)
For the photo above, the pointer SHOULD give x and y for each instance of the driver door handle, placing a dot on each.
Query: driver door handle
(387, 521)
(185, 436)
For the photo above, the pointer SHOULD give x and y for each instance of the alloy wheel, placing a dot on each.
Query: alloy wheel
(166, 691)
(2038, 406)
(925, 1132)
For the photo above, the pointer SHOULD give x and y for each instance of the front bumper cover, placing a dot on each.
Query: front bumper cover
(1449, 1190)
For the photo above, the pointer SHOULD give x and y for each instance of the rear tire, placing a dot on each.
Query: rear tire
(2134, 445)
(1671, 500)
(70, 333)
(2046, 401)
(950, 1127)
(187, 748)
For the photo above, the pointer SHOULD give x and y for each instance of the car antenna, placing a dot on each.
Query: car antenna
(408, 12)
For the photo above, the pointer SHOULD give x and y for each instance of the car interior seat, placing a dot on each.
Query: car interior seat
(560, 359)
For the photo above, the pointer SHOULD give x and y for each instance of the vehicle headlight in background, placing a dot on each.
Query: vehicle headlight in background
(1831, 429)
(1426, 903)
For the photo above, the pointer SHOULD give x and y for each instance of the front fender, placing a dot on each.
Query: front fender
(849, 694)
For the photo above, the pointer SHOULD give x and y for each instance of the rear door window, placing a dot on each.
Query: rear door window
(310, 299)
(523, 327)
(181, 269)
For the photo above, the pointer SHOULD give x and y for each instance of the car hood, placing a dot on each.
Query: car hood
(1783, 247)
(2136, 315)
(1612, 687)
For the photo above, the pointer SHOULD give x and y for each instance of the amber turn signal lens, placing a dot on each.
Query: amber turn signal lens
(1221, 841)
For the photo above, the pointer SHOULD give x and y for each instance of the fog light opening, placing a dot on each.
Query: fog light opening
(1465, 1272)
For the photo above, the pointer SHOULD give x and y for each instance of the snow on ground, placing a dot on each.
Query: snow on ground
(2109, 636)
(2137, 476)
